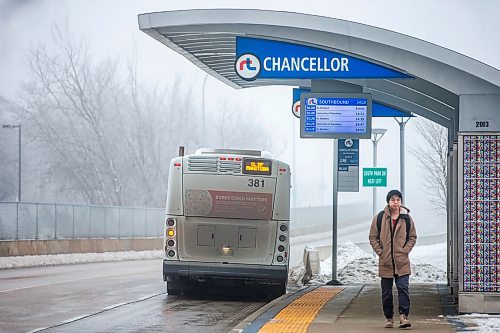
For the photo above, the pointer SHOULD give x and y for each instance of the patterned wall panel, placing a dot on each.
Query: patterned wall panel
(481, 213)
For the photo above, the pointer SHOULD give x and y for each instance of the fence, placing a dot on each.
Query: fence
(39, 221)
(22, 221)
(320, 216)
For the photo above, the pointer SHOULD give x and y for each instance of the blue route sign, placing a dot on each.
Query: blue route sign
(271, 59)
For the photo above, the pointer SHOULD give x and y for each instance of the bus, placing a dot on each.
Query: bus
(227, 221)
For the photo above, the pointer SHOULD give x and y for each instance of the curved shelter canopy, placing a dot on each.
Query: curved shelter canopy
(440, 76)
(449, 88)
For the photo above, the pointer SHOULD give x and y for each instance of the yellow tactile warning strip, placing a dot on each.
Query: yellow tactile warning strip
(299, 314)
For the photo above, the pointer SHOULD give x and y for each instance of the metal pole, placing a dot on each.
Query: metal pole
(402, 157)
(402, 124)
(334, 280)
(374, 189)
(19, 160)
(335, 203)
(19, 169)
(294, 193)
(377, 134)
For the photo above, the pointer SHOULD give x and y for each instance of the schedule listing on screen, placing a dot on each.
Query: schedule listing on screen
(344, 116)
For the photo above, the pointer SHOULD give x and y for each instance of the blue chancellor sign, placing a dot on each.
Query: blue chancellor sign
(270, 59)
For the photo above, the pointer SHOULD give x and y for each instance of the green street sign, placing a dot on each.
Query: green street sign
(375, 177)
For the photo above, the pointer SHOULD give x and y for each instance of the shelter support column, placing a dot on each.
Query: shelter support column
(479, 203)
(452, 230)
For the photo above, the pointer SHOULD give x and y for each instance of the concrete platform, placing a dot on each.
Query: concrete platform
(355, 308)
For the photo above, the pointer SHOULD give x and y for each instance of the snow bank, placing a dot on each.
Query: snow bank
(357, 266)
(481, 323)
(76, 258)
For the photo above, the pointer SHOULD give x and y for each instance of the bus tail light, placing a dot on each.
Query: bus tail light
(281, 249)
(171, 239)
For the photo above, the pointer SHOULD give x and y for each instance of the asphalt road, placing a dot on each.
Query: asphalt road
(127, 296)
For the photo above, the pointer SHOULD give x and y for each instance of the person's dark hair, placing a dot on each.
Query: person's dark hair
(393, 193)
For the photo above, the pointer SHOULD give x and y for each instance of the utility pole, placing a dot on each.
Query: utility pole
(19, 159)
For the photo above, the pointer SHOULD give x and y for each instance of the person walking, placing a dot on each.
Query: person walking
(392, 237)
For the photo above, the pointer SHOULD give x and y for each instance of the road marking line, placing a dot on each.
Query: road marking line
(41, 285)
(70, 320)
(37, 330)
(147, 296)
(67, 281)
(113, 306)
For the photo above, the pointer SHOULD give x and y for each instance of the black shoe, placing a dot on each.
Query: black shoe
(404, 322)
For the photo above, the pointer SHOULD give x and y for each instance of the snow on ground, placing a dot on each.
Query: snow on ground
(76, 258)
(431, 254)
(481, 323)
(357, 266)
(428, 266)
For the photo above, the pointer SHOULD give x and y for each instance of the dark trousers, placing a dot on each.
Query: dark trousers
(402, 283)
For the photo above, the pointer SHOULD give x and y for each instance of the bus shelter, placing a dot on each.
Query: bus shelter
(250, 48)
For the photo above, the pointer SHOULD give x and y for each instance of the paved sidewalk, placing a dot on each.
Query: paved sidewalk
(345, 309)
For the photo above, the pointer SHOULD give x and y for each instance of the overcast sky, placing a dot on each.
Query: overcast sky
(469, 27)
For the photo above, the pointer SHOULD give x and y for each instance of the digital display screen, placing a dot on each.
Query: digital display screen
(253, 166)
(335, 116)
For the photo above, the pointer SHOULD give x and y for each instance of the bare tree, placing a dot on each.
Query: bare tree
(105, 137)
(433, 159)
(234, 126)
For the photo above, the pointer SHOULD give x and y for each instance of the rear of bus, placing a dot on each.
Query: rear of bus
(227, 220)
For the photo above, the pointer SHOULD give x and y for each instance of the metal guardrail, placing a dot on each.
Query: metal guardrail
(24, 220)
